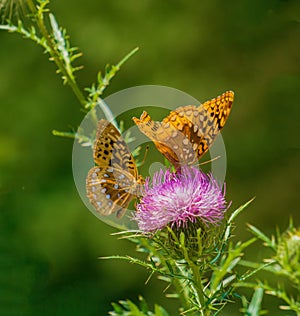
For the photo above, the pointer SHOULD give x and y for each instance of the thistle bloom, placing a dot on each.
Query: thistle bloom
(177, 199)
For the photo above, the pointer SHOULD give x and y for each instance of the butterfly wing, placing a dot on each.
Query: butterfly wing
(114, 182)
(212, 117)
(187, 132)
(163, 138)
(219, 108)
(204, 122)
(110, 190)
(110, 149)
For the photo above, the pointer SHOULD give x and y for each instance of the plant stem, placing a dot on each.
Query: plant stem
(54, 54)
(197, 278)
(197, 285)
(170, 266)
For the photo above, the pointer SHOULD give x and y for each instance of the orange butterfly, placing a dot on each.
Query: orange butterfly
(114, 182)
(186, 133)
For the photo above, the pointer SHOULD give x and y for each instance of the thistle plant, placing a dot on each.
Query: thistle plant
(203, 267)
(185, 224)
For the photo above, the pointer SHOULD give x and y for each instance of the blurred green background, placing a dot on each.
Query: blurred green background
(49, 240)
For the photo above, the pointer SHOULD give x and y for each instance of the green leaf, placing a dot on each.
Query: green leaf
(143, 304)
(254, 308)
(96, 91)
(259, 234)
(128, 308)
(238, 211)
(160, 311)
(134, 309)
(233, 217)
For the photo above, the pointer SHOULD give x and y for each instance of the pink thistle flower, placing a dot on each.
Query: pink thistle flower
(179, 199)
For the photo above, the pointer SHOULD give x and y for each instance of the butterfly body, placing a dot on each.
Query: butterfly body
(187, 132)
(114, 181)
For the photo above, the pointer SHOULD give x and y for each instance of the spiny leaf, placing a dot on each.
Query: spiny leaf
(259, 234)
(254, 308)
(128, 308)
(96, 91)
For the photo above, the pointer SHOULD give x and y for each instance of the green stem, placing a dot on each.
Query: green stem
(234, 254)
(194, 269)
(54, 54)
(170, 266)
(179, 285)
(198, 283)
(107, 80)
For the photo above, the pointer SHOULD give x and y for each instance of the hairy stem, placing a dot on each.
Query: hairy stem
(70, 79)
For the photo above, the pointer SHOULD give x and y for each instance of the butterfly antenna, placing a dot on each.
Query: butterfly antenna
(211, 160)
(145, 155)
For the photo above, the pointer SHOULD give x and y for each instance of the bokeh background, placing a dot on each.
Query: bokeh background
(49, 241)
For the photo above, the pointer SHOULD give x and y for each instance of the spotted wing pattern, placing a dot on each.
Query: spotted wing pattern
(114, 181)
(186, 133)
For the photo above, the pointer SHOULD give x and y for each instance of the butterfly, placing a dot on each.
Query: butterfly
(186, 133)
(114, 181)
